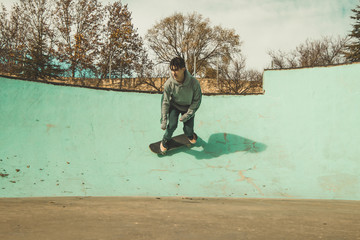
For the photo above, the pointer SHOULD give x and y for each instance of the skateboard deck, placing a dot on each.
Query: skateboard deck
(176, 142)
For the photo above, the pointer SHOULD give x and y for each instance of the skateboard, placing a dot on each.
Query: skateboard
(175, 143)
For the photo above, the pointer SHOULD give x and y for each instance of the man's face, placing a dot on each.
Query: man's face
(178, 73)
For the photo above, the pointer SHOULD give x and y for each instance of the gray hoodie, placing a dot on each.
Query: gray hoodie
(186, 97)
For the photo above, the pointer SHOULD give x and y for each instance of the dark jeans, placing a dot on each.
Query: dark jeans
(173, 123)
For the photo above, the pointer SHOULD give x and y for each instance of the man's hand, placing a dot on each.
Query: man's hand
(184, 118)
(163, 125)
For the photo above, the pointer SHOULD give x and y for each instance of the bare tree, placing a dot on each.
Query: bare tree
(64, 14)
(192, 38)
(88, 20)
(323, 52)
(122, 53)
(144, 69)
(31, 40)
(5, 40)
(13, 45)
(81, 36)
(78, 25)
(155, 77)
(235, 78)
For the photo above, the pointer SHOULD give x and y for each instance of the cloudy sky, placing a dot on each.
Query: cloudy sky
(263, 25)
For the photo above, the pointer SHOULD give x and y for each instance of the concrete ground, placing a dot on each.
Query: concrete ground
(115, 218)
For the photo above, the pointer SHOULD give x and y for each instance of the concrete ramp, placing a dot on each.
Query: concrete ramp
(299, 140)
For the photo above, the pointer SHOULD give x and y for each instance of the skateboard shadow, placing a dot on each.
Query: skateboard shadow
(220, 144)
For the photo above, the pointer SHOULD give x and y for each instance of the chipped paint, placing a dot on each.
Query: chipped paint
(49, 126)
(298, 140)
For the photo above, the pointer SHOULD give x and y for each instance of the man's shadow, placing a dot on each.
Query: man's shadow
(220, 144)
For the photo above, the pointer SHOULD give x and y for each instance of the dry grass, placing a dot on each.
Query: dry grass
(209, 86)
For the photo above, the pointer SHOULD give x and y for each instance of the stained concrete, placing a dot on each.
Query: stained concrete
(297, 141)
(94, 218)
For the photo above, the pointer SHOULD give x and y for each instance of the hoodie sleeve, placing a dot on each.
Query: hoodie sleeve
(165, 104)
(195, 102)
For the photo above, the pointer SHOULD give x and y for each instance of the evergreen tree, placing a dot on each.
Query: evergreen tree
(353, 54)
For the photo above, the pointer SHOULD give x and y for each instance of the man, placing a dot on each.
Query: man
(182, 95)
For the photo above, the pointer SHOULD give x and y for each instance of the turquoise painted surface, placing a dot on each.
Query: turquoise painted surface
(299, 140)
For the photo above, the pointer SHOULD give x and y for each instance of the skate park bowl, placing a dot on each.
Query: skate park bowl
(75, 162)
(299, 140)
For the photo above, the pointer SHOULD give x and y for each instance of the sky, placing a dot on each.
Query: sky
(262, 25)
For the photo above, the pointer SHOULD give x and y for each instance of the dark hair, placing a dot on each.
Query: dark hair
(177, 63)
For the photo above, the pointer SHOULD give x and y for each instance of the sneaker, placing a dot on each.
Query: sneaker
(163, 146)
(193, 139)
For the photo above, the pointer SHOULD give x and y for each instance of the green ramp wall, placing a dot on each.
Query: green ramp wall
(298, 140)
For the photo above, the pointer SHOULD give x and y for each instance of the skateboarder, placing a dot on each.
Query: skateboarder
(182, 95)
